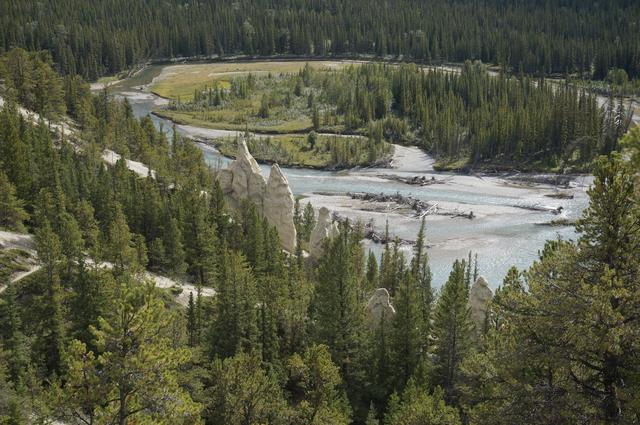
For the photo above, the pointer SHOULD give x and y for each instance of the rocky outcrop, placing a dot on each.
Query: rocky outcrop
(278, 205)
(379, 307)
(242, 180)
(325, 229)
(480, 296)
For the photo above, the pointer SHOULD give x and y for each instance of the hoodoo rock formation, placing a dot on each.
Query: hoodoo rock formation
(242, 180)
(379, 307)
(278, 206)
(325, 229)
(480, 296)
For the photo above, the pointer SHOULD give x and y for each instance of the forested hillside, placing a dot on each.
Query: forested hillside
(538, 36)
(285, 339)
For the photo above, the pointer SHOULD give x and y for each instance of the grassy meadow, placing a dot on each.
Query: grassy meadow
(181, 81)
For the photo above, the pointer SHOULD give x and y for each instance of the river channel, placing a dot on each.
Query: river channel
(503, 233)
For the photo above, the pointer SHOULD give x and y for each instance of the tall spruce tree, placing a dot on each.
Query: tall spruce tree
(451, 333)
(119, 245)
(421, 273)
(406, 330)
(12, 213)
(51, 341)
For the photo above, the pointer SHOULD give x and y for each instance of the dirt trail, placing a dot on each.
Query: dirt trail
(25, 242)
(64, 129)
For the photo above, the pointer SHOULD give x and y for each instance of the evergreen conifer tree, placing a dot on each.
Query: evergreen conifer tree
(451, 332)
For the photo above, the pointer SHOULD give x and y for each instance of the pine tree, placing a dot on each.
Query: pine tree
(314, 381)
(407, 331)
(264, 107)
(371, 416)
(243, 393)
(12, 405)
(475, 268)
(297, 216)
(14, 154)
(51, 343)
(421, 273)
(71, 242)
(417, 406)
(90, 230)
(119, 245)
(204, 264)
(15, 342)
(174, 249)
(140, 248)
(467, 274)
(308, 221)
(93, 291)
(234, 328)
(192, 325)
(12, 213)
(372, 274)
(630, 145)
(452, 331)
(133, 377)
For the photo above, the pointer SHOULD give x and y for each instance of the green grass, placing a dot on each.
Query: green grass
(446, 164)
(180, 81)
(183, 89)
(239, 120)
(284, 149)
(293, 150)
(107, 80)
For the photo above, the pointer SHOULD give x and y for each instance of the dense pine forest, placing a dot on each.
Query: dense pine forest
(588, 38)
(87, 338)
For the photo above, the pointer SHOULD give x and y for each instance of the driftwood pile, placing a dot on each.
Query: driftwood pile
(559, 195)
(415, 204)
(414, 181)
(542, 208)
(420, 207)
(562, 180)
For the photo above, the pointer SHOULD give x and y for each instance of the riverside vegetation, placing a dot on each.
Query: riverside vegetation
(280, 111)
(283, 340)
(466, 120)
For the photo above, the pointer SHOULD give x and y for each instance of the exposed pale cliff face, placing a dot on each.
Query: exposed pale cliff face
(479, 297)
(278, 205)
(379, 307)
(325, 229)
(242, 180)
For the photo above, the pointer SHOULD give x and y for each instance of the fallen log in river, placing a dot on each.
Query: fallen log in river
(421, 208)
(414, 180)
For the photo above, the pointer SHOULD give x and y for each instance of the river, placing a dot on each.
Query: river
(502, 234)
